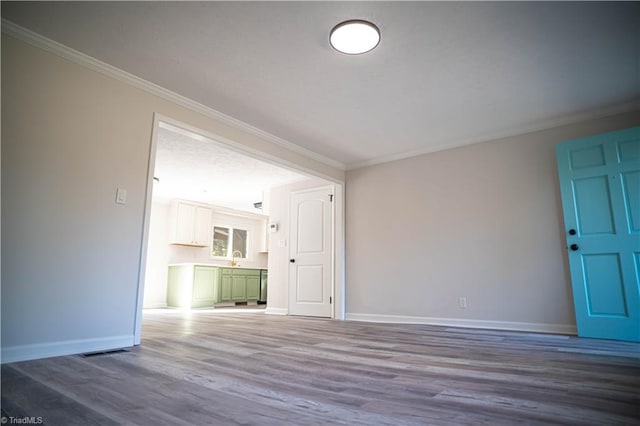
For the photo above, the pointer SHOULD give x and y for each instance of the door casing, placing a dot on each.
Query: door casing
(339, 212)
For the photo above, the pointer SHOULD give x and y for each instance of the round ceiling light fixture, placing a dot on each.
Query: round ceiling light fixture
(354, 37)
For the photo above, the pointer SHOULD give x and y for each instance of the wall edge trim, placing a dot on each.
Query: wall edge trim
(467, 323)
(62, 348)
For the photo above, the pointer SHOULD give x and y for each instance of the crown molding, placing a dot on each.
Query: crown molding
(518, 131)
(42, 42)
(59, 49)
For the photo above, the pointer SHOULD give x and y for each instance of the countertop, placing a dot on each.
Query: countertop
(216, 265)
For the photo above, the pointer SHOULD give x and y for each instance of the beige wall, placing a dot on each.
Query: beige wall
(482, 222)
(70, 137)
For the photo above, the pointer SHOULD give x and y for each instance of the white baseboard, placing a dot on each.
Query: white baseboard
(467, 323)
(276, 311)
(67, 347)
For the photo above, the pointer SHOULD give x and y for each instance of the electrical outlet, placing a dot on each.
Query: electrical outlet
(462, 302)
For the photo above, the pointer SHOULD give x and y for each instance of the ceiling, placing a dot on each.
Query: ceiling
(191, 167)
(445, 74)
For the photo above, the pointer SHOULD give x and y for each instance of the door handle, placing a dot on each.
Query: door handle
(292, 260)
(574, 247)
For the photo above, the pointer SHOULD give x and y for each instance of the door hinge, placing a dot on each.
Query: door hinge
(330, 299)
(331, 198)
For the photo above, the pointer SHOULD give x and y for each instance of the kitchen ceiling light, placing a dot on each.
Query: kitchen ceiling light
(354, 37)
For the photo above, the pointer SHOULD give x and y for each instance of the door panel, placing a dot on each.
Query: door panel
(311, 253)
(309, 284)
(587, 157)
(310, 237)
(605, 292)
(593, 205)
(631, 188)
(600, 187)
(629, 150)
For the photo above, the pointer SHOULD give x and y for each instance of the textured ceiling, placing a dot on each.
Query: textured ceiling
(444, 74)
(192, 167)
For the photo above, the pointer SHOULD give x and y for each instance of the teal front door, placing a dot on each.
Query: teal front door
(600, 189)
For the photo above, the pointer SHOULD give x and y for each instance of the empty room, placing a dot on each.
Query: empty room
(311, 213)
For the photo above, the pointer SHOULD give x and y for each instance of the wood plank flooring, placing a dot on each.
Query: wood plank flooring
(212, 368)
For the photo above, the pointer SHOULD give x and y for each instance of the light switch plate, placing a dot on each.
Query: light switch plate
(121, 196)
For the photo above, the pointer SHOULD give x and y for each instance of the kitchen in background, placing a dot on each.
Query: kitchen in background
(208, 233)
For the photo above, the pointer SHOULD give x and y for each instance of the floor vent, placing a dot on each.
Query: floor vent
(92, 354)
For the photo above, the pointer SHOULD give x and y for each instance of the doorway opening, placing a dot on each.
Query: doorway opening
(217, 235)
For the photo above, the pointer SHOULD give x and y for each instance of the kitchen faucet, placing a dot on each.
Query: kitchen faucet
(236, 253)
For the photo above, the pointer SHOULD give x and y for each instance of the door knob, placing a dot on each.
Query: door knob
(292, 260)
(572, 232)
(574, 247)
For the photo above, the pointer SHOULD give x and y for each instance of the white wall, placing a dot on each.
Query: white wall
(482, 222)
(71, 256)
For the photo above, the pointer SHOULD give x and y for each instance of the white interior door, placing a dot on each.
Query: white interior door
(311, 251)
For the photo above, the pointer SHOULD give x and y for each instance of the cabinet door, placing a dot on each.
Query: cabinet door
(225, 288)
(239, 288)
(190, 224)
(202, 225)
(253, 287)
(185, 222)
(203, 287)
(178, 281)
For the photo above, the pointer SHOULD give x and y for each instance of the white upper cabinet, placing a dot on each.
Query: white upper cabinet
(191, 224)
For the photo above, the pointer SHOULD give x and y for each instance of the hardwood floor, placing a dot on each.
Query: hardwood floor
(209, 368)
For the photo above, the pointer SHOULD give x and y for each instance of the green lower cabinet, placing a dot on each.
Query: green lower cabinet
(225, 288)
(239, 289)
(192, 286)
(239, 285)
(205, 280)
(253, 287)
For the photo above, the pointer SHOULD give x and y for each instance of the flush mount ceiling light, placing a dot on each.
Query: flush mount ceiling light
(354, 37)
